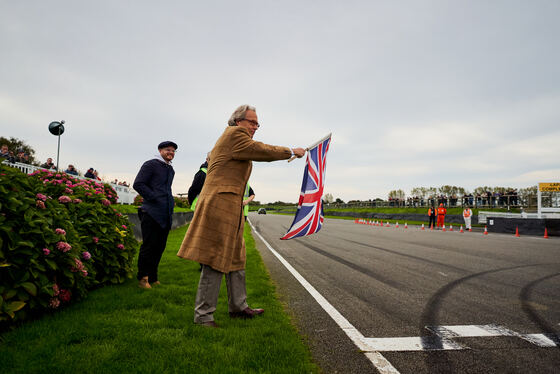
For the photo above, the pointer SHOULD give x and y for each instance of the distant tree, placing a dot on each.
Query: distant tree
(255, 203)
(397, 194)
(339, 201)
(328, 198)
(15, 144)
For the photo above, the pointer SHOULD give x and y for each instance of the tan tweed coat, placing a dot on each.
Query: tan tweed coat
(215, 235)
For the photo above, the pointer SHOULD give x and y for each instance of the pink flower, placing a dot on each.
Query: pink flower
(55, 289)
(105, 202)
(40, 196)
(86, 255)
(77, 201)
(46, 251)
(58, 175)
(64, 199)
(63, 246)
(60, 232)
(79, 266)
(124, 227)
(40, 204)
(69, 191)
(120, 246)
(84, 273)
(119, 215)
(65, 295)
(54, 303)
(95, 239)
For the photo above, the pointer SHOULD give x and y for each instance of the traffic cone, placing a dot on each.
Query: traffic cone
(470, 229)
(405, 226)
(450, 227)
(485, 230)
(461, 230)
(397, 225)
(443, 227)
(422, 227)
(545, 233)
(516, 231)
(388, 224)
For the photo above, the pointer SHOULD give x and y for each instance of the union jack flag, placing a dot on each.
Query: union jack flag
(309, 215)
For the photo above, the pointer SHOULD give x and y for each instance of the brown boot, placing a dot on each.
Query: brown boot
(143, 283)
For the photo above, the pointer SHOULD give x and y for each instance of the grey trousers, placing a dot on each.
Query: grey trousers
(209, 289)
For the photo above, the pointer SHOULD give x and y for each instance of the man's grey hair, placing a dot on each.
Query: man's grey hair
(239, 114)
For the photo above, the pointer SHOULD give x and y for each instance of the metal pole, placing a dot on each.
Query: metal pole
(58, 150)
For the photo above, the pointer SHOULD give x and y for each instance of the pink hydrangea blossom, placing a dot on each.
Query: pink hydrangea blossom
(65, 295)
(54, 303)
(40, 196)
(119, 215)
(60, 232)
(46, 251)
(64, 199)
(78, 267)
(69, 191)
(40, 204)
(86, 255)
(76, 201)
(120, 246)
(56, 290)
(95, 239)
(63, 246)
(124, 227)
(105, 202)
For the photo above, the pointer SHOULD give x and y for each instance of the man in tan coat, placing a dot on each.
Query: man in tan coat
(215, 235)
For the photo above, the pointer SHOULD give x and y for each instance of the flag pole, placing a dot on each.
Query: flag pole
(313, 145)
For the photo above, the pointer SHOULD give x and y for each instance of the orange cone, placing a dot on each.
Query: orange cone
(444, 228)
(450, 227)
(485, 230)
(545, 233)
(397, 225)
(461, 230)
(422, 227)
(405, 226)
(516, 231)
(470, 230)
(388, 224)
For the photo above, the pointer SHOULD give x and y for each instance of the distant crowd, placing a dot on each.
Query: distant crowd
(23, 158)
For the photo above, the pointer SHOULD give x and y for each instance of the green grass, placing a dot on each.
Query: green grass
(124, 329)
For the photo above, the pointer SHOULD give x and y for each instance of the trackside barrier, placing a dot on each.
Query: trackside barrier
(125, 195)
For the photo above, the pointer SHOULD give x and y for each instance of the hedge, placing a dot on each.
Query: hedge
(59, 238)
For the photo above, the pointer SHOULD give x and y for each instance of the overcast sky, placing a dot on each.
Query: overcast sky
(415, 93)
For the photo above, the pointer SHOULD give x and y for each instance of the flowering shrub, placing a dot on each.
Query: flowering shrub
(58, 238)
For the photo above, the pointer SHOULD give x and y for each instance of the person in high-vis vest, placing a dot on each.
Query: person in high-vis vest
(467, 215)
(432, 216)
(198, 183)
(248, 196)
(441, 215)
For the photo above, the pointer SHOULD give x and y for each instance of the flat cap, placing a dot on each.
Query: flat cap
(167, 143)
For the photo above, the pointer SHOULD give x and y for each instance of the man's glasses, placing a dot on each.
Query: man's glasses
(254, 123)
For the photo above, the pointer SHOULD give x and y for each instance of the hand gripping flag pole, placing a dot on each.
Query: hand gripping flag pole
(309, 215)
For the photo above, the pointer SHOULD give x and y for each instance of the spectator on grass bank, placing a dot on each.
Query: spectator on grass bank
(432, 216)
(153, 183)
(71, 170)
(89, 174)
(49, 164)
(198, 183)
(215, 235)
(6, 154)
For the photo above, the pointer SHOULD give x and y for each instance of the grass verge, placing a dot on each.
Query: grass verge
(124, 329)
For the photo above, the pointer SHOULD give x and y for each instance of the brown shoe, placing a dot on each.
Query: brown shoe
(247, 313)
(208, 324)
(143, 283)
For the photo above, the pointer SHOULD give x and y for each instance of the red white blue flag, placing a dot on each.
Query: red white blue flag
(309, 215)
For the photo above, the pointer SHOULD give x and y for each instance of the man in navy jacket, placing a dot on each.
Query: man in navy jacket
(153, 183)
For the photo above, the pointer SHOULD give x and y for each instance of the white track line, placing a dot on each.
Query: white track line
(376, 358)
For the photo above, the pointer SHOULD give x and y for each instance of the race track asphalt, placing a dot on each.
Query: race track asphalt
(476, 303)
